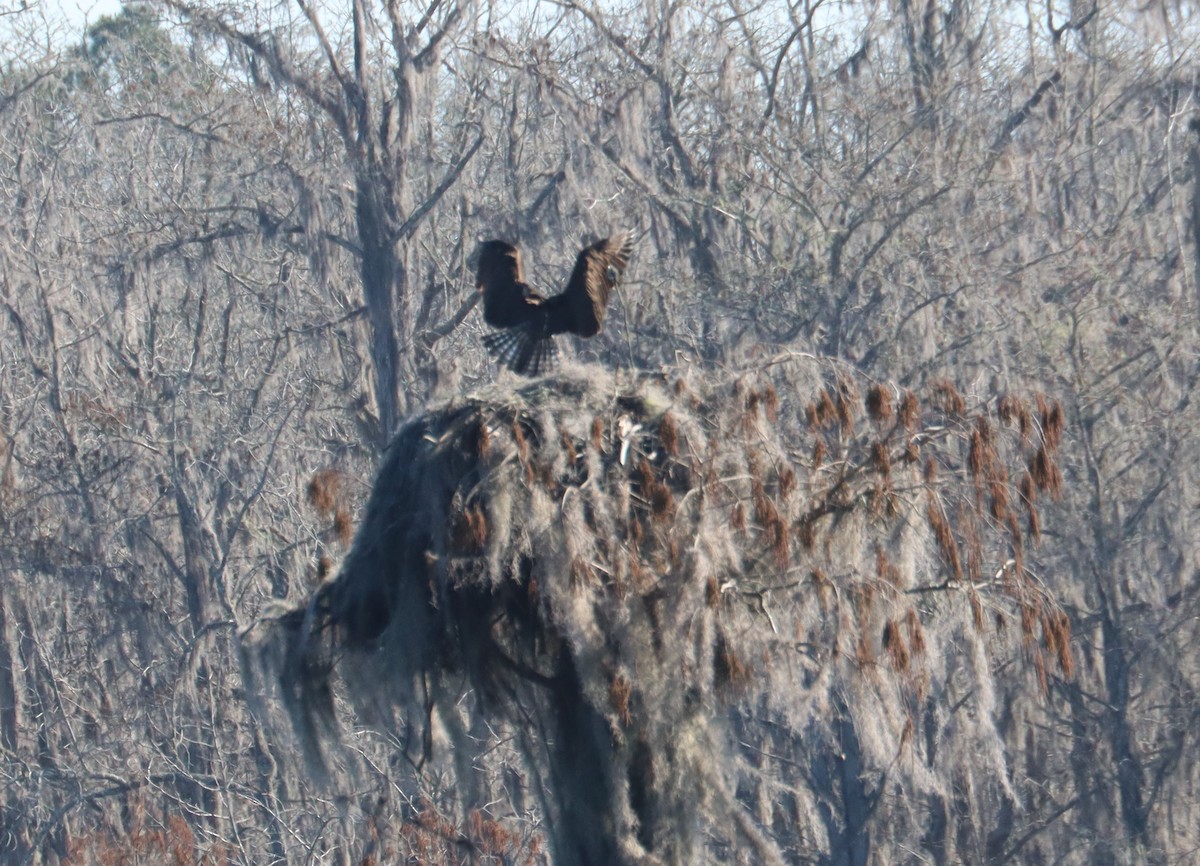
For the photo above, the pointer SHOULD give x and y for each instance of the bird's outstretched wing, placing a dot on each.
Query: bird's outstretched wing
(597, 269)
(531, 320)
(501, 278)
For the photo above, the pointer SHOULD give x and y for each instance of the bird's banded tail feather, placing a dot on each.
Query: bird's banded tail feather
(523, 350)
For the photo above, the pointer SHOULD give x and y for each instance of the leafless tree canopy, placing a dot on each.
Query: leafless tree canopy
(862, 532)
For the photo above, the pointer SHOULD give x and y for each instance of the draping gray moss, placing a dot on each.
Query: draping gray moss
(616, 566)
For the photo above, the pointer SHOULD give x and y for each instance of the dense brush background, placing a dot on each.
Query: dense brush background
(233, 245)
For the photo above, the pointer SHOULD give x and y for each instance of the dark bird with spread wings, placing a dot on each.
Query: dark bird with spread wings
(530, 319)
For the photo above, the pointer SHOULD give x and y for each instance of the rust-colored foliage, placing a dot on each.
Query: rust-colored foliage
(1056, 628)
(823, 586)
(518, 433)
(806, 531)
(620, 690)
(470, 533)
(325, 491)
(777, 538)
(637, 569)
(523, 450)
(824, 413)
(1025, 423)
(818, 453)
(766, 514)
(431, 837)
(668, 434)
(893, 645)
(750, 415)
(482, 439)
(847, 398)
(730, 671)
(864, 653)
(166, 839)
(637, 532)
(568, 446)
(326, 494)
(657, 494)
(879, 403)
(1008, 408)
(1029, 623)
(737, 516)
(998, 494)
(770, 402)
(944, 537)
(946, 399)
(674, 552)
(881, 459)
(1053, 423)
(1034, 523)
(982, 460)
(1013, 410)
(975, 460)
(984, 428)
(910, 411)
(343, 526)
(712, 592)
(543, 473)
(863, 601)
(582, 572)
(1027, 489)
(1043, 468)
(764, 508)
(787, 482)
(916, 633)
(1039, 667)
(976, 609)
(886, 570)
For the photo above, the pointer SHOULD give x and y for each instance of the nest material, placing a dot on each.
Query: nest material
(500, 527)
(589, 554)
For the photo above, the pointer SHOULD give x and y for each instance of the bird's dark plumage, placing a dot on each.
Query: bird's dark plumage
(531, 320)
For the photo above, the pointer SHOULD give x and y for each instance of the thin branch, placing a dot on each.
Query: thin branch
(431, 336)
(428, 54)
(774, 82)
(418, 214)
(182, 126)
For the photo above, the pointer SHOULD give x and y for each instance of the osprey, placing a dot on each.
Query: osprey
(530, 320)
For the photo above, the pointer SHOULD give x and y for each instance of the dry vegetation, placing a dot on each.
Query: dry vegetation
(610, 566)
(863, 533)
